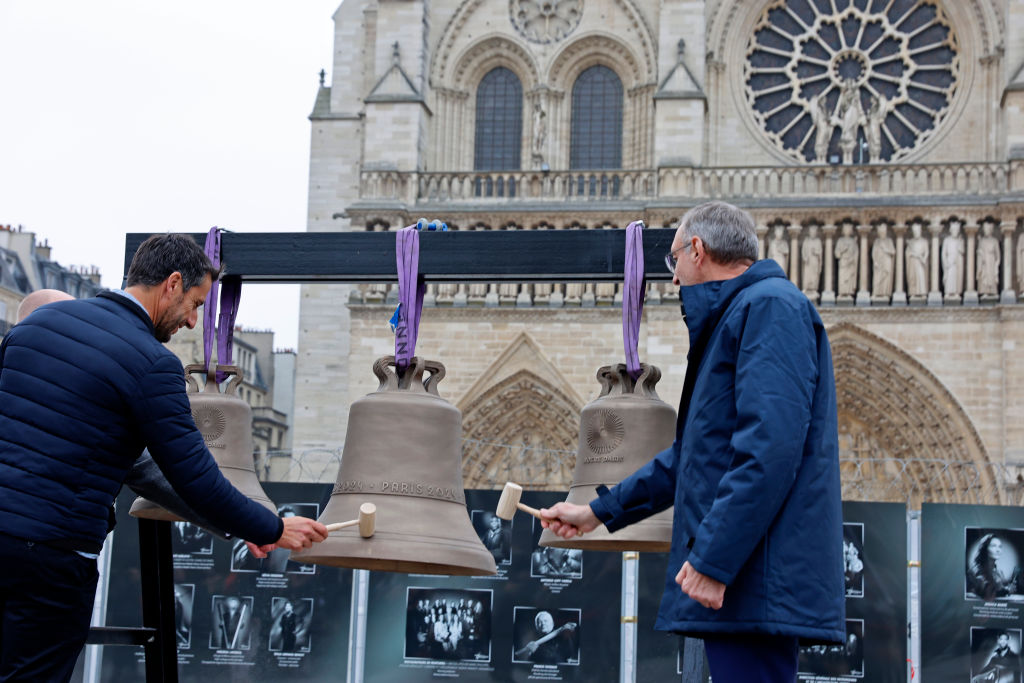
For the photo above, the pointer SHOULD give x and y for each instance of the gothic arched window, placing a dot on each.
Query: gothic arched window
(499, 122)
(596, 138)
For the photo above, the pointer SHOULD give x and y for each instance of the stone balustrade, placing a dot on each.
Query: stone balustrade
(779, 183)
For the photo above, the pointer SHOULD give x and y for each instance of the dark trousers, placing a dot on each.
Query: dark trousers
(46, 598)
(752, 658)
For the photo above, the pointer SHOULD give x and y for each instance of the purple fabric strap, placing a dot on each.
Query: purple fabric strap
(411, 289)
(633, 295)
(230, 296)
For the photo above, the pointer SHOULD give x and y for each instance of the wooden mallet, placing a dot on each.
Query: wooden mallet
(509, 501)
(367, 520)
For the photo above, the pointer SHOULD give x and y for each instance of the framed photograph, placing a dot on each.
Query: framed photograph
(230, 622)
(546, 636)
(190, 539)
(495, 533)
(290, 620)
(184, 599)
(992, 564)
(448, 624)
(559, 563)
(853, 559)
(995, 655)
(836, 660)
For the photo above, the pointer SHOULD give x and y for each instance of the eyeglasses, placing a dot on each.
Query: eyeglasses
(671, 260)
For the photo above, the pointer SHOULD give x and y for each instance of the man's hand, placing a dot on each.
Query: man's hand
(700, 587)
(568, 520)
(299, 533)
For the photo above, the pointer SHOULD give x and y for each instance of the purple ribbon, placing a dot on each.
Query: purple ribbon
(411, 289)
(633, 295)
(229, 298)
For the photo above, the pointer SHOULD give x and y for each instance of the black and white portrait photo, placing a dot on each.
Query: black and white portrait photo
(836, 660)
(565, 563)
(853, 559)
(189, 539)
(276, 561)
(495, 533)
(184, 597)
(448, 624)
(546, 636)
(995, 655)
(993, 564)
(230, 621)
(290, 620)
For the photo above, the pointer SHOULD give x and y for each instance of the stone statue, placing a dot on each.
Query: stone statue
(778, 248)
(1020, 264)
(873, 128)
(953, 260)
(988, 260)
(846, 253)
(917, 262)
(849, 115)
(810, 255)
(883, 259)
(821, 117)
(539, 129)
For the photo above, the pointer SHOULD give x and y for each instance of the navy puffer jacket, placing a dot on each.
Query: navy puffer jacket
(84, 387)
(754, 470)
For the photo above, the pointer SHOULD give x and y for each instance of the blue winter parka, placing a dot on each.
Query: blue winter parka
(84, 386)
(754, 472)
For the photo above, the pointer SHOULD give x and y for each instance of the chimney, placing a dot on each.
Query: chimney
(43, 250)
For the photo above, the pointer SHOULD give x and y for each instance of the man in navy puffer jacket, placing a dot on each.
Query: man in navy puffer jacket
(84, 386)
(753, 473)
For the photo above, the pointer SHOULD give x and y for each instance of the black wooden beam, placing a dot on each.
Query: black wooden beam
(492, 255)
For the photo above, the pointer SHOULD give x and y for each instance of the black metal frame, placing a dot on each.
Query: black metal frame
(353, 257)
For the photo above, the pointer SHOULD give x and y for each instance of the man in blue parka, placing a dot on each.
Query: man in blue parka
(84, 386)
(753, 473)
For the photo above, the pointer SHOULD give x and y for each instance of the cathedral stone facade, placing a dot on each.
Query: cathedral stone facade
(879, 145)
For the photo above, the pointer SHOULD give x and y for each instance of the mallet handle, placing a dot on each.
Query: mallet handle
(529, 510)
(341, 525)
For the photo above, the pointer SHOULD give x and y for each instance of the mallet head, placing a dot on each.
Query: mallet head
(367, 519)
(509, 500)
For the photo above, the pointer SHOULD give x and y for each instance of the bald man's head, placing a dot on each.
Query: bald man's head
(38, 298)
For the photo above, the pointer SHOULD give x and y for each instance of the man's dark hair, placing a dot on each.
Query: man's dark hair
(161, 255)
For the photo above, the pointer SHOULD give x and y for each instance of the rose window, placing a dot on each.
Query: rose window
(545, 21)
(855, 81)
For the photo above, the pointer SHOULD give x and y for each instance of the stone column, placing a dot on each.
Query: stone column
(762, 234)
(899, 294)
(934, 292)
(863, 293)
(970, 291)
(1008, 296)
(828, 292)
(794, 254)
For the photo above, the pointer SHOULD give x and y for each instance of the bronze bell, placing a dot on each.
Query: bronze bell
(403, 453)
(620, 431)
(225, 421)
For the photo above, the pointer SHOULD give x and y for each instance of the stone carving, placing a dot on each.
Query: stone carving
(849, 116)
(545, 21)
(810, 255)
(821, 117)
(952, 260)
(883, 259)
(539, 130)
(988, 260)
(811, 66)
(1020, 264)
(778, 248)
(846, 253)
(917, 262)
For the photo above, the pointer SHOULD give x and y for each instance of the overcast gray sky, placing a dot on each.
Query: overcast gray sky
(122, 116)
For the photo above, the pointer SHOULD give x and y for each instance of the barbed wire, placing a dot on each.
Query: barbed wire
(489, 464)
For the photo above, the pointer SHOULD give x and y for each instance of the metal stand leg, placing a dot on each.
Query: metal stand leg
(693, 661)
(158, 600)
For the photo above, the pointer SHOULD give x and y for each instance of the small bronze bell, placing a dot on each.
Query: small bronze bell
(403, 453)
(225, 421)
(620, 431)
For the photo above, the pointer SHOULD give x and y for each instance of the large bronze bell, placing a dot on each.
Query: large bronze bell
(620, 431)
(225, 421)
(403, 452)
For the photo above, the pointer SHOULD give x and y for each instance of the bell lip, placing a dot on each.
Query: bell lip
(609, 545)
(143, 508)
(395, 566)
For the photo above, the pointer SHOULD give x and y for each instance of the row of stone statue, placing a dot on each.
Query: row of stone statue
(870, 265)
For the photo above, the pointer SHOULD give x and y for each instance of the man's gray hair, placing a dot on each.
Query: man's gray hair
(727, 231)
